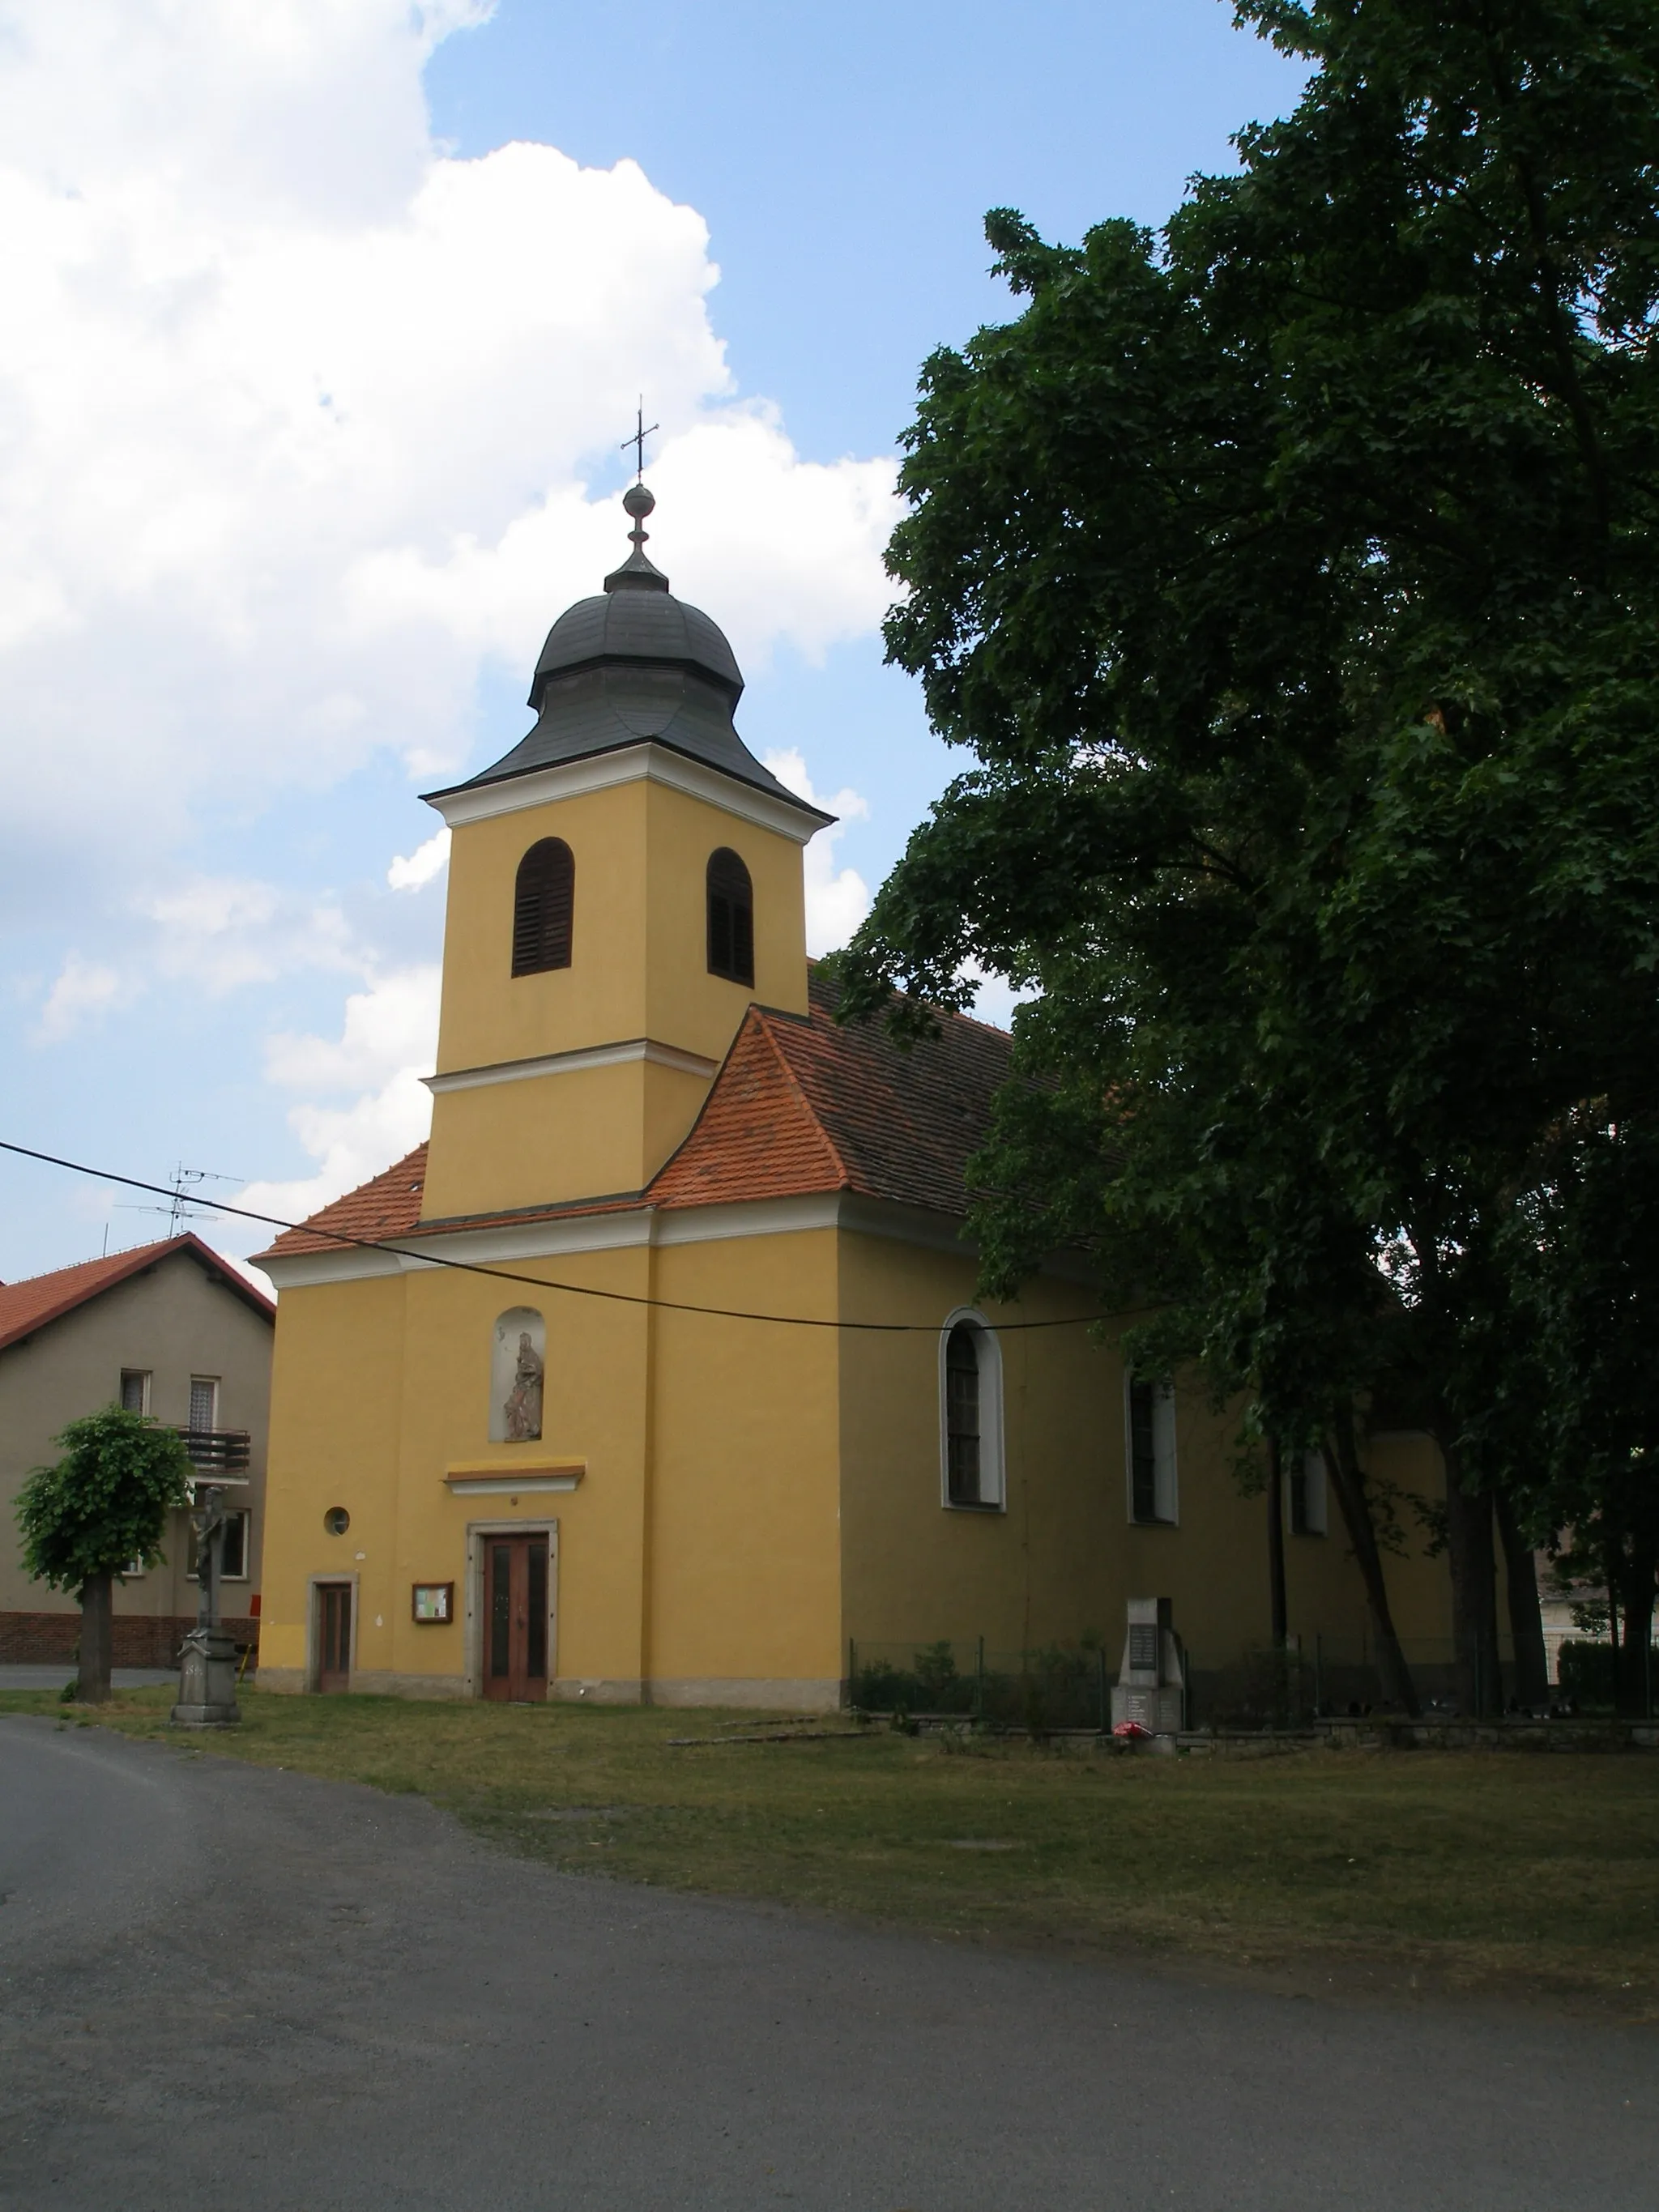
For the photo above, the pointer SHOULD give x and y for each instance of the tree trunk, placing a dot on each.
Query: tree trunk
(92, 1687)
(1278, 1618)
(1474, 1591)
(1632, 1587)
(1343, 1457)
(1532, 1671)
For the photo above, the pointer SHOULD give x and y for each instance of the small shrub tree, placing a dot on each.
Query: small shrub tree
(96, 1511)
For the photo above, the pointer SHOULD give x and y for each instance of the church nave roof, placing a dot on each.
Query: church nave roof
(799, 1106)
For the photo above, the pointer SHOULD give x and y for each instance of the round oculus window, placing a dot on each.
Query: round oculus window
(336, 1520)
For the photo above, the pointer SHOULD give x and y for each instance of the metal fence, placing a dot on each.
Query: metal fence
(1059, 1687)
(1319, 1678)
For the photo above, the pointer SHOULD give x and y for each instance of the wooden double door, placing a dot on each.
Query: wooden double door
(516, 1612)
(334, 1636)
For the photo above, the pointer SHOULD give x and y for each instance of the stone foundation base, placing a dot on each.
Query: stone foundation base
(759, 1692)
(751, 1693)
(597, 1690)
(370, 1682)
(139, 1639)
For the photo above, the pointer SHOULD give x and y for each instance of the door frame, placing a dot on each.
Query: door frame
(478, 1534)
(314, 1624)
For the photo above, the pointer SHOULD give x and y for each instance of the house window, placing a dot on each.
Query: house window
(1309, 1509)
(731, 918)
(1152, 1453)
(970, 1414)
(543, 901)
(233, 1567)
(135, 1389)
(204, 1402)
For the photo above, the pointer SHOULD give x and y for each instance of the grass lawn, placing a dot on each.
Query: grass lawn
(1504, 1873)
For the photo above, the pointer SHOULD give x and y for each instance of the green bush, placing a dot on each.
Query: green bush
(1585, 1673)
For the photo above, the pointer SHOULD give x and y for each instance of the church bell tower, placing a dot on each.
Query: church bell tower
(621, 884)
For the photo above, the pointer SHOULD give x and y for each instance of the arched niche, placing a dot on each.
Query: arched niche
(517, 1367)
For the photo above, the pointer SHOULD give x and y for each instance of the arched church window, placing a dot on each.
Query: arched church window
(731, 918)
(970, 1409)
(517, 1363)
(544, 898)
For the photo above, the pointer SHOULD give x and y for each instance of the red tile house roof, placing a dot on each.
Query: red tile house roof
(800, 1105)
(28, 1306)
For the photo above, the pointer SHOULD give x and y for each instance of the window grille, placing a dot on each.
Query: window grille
(1151, 1452)
(962, 1407)
(731, 918)
(544, 904)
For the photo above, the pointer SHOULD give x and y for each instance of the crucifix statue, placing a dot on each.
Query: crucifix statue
(208, 1521)
(207, 1663)
(642, 430)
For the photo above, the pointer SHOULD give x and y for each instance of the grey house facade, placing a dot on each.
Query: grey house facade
(169, 1329)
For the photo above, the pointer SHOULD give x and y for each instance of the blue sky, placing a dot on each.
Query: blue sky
(331, 319)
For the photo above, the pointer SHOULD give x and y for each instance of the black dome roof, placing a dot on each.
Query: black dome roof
(635, 665)
(637, 619)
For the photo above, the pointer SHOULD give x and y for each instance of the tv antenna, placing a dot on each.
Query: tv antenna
(184, 1182)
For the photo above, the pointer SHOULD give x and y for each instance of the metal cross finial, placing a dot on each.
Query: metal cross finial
(642, 430)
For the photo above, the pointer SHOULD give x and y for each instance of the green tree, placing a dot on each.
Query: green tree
(98, 1510)
(1587, 1257)
(1293, 576)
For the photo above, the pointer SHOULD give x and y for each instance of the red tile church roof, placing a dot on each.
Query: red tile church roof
(799, 1106)
(389, 1205)
(806, 1106)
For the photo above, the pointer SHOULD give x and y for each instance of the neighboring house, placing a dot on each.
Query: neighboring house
(730, 1404)
(168, 1329)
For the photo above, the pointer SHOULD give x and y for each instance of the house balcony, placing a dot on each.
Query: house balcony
(217, 1453)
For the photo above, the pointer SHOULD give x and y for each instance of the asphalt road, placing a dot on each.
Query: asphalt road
(227, 1987)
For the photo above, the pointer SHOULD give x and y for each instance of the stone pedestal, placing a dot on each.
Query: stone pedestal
(1157, 1711)
(1151, 1690)
(207, 1681)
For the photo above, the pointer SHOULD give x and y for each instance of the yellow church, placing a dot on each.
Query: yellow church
(659, 1372)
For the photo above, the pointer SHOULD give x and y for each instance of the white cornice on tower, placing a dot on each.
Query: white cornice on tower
(478, 802)
(571, 1063)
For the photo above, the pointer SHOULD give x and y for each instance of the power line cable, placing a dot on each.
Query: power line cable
(536, 1282)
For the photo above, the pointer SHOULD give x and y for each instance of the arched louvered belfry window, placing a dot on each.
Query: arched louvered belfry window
(731, 918)
(544, 898)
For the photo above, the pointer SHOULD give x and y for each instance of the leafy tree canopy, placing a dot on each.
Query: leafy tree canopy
(103, 1505)
(1293, 576)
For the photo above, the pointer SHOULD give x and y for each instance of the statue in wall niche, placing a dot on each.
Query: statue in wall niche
(521, 1414)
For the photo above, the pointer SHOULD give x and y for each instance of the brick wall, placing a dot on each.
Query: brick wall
(141, 1639)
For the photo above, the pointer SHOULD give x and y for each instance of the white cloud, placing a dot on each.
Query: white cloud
(217, 934)
(389, 1026)
(303, 423)
(301, 419)
(222, 934)
(387, 1042)
(836, 900)
(422, 865)
(82, 990)
(350, 1143)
